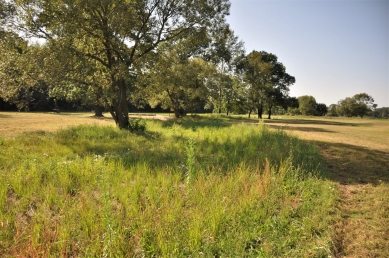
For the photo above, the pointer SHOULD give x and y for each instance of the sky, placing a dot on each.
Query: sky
(334, 48)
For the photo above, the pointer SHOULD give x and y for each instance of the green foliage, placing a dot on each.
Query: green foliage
(321, 109)
(381, 112)
(332, 110)
(137, 125)
(99, 191)
(307, 105)
(359, 105)
(267, 80)
(175, 80)
(20, 72)
(114, 38)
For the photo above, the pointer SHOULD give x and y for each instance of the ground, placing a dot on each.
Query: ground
(355, 154)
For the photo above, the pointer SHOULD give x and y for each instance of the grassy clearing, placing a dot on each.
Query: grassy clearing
(196, 187)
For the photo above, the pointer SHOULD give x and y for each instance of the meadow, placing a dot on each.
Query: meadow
(203, 186)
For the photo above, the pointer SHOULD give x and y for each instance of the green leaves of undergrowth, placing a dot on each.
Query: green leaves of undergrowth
(220, 190)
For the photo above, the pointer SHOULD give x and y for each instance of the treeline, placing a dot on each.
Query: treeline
(359, 105)
(120, 56)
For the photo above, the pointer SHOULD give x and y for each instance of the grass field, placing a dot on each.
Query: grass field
(201, 186)
(356, 155)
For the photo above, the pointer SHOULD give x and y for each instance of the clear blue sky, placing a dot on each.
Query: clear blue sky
(334, 49)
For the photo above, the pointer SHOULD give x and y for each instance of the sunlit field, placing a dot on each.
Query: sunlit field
(356, 157)
(198, 186)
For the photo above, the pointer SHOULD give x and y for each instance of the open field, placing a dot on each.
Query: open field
(229, 180)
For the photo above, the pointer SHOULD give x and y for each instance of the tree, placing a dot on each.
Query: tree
(20, 72)
(119, 34)
(321, 109)
(346, 107)
(224, 47)
(267, 80)
(307, 105)
(331, 111)
(364, 104)
(358, 105)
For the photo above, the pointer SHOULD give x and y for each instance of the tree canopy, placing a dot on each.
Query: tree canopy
(358, 105)
(117, 35)
(267, 80)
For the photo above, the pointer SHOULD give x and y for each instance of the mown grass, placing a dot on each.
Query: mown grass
(194, 187)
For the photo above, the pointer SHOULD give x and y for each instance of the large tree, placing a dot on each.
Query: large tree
(118, 34)
(267, 80)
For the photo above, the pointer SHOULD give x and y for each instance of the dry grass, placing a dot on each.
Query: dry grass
(356, 153)
(17, 123)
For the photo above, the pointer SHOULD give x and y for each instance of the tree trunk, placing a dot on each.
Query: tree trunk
(269, 115)
(176, 112)
(119, 111)
(98, 111)
(260, 112)
(249, 113)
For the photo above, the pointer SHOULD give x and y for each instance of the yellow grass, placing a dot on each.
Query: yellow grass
(16, 123)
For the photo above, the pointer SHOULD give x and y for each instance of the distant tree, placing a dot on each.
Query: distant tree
(267, 80)
(331, 111)
(381, 112)
(321, 109)
(307, 105)
(358, 105)
(364, 104)
(293, 106)
(292, 102)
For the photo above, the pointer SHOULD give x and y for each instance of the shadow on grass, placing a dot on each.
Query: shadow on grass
(301, 129)
(193, 122)
(5, 116)
(311, 121)
(211, 153)
(350, 164)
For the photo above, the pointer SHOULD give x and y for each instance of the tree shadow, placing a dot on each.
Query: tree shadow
(312, 121)
(301, 129)
(194, 122)
(350, 164)
(5, 116)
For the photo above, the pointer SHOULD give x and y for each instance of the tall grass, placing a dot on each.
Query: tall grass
(194, 187)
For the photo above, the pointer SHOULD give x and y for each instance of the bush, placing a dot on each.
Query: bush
(137, 125)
